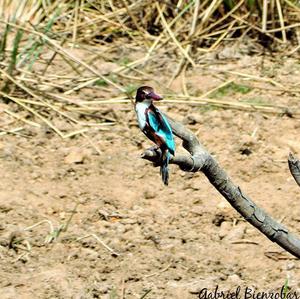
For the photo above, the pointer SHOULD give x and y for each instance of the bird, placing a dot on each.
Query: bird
(155, 126)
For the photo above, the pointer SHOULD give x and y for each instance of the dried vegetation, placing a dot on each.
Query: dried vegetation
(50, 50)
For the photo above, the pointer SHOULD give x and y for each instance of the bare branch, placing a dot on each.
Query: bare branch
(200, 160)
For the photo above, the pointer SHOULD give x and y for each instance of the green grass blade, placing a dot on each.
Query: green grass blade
(35, 53)
(14, 53)
(3, 42)
(229, 4)
(285, 288)
(35, 45)
(251, 4)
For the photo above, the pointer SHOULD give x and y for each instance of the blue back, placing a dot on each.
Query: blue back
(162, 128)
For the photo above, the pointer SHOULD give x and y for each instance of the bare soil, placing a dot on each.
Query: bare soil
(168, 242)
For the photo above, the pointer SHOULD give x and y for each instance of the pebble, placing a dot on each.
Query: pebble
(290, 266)
(191, 119)
(224, 206)
(75, 156)
(235, 280)
(128, 221)
(225, 229)
(149, 194)
(236, 233)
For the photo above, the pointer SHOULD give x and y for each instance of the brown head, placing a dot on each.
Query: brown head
(146, 93)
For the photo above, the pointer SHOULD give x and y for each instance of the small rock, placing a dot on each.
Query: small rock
(235, 280)
(62, 216)
(224, 206)
(236, 233)
(225, 228)
(75, 156)
(224, 212)
(247, 140)
(149, 194)
(191, 119)
(128, 221)
(229, 52)
(290, 266)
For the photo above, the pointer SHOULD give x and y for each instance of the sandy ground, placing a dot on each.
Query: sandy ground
(167, 242)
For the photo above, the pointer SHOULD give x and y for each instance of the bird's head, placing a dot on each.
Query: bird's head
(146, 93)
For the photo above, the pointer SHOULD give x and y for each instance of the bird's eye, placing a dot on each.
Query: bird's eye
(147, 95)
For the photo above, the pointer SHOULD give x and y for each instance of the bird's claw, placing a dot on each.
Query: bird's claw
(153, 148)
(153, 154)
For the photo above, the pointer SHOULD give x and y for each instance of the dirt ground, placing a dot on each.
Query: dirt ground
(132, 237)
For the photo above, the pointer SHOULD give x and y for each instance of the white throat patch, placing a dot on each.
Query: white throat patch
(140, 109)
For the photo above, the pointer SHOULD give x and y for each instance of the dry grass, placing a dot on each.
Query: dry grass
(35, 34)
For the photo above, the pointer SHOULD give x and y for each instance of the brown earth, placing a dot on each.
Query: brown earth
(171, 241)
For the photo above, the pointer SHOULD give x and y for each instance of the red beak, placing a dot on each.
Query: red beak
(155, 96)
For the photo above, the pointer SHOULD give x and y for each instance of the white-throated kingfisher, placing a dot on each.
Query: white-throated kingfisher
(155, 126)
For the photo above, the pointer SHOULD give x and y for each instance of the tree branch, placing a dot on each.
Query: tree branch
(200, 160)
(294, 165)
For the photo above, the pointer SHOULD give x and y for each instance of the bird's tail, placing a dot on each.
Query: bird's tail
(164, 170)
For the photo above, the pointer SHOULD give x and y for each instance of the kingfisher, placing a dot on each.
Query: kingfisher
(155, 126)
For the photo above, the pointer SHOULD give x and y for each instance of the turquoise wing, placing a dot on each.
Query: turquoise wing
(160, 125)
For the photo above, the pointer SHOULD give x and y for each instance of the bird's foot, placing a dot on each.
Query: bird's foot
(154, 154)
(153, 148)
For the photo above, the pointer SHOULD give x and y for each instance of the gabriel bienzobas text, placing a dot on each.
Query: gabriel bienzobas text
(247, 293)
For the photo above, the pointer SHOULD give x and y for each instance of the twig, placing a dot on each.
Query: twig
(29, 122)
(12, 131)
(281, 20)
(165, 24)
(216, 88)
(64, 52)
(33, 112)
(75, 22)
(145, 294)
(101, 242)
(159, 272)
(123, 288)
(39, 223)
(264, 16)
(244, 242)
(255, 78)
(267, 108)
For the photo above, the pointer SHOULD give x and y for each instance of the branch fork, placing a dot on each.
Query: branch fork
(199, 159)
